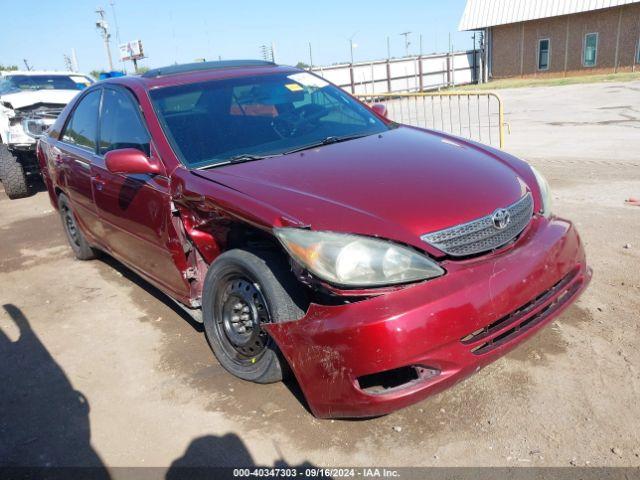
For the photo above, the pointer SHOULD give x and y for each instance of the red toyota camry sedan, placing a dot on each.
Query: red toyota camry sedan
(377, 262)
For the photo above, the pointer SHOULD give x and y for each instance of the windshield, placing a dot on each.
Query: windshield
(17, 83)
(215, 122)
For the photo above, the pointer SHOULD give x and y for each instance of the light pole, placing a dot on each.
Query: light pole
(352, 45)
(406, 42)
(118, 43)
(103, 27)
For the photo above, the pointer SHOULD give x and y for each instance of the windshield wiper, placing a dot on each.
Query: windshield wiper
(327, 141)
(249, 157)
(246, 157)
(240, 158)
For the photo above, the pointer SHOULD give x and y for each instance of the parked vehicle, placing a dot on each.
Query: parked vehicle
(29, 104)
(379, 262)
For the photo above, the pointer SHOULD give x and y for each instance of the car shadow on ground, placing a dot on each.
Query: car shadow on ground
(44, 421)
(45, 429)
(205, 455)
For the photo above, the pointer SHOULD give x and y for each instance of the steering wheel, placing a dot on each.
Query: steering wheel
(303, 119)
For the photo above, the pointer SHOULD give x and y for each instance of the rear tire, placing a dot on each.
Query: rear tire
(12, 174)
(78, 243)
(243, 290)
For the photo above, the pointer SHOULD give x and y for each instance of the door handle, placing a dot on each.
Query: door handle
(98, 182)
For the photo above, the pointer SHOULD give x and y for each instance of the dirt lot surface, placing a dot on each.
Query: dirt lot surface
(98, 368)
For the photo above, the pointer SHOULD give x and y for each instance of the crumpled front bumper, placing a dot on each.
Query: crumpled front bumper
(452, 325)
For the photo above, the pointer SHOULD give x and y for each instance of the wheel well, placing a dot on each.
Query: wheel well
(245, 236)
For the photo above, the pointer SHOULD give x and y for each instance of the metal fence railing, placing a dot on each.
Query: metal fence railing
(476, 116)
(407, 74)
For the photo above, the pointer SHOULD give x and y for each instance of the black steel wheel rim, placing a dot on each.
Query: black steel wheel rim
(71, 227)
(240, 310)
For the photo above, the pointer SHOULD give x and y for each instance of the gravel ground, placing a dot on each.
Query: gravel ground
(98, 368)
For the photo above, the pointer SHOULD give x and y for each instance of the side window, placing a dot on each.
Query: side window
(82, 127)
(543, 54)
(590, 49)
(120, 124)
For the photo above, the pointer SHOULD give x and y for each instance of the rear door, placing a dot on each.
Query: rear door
(74, 153)
(135, 209)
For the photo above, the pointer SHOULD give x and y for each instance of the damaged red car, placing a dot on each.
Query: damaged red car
(377, 262)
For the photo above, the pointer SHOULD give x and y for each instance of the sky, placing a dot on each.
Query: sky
(43, 31)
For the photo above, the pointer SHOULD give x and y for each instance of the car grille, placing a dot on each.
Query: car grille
(37, 122)
(482, 235)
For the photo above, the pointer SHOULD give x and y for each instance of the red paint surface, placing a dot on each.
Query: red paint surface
(424, 324)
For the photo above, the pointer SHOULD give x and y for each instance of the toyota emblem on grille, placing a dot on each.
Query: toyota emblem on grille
(501, 218)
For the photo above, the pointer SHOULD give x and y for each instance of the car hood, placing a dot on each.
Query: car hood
(398, 185)
(23, 99)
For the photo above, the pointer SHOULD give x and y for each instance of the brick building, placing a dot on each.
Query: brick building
(555, 37)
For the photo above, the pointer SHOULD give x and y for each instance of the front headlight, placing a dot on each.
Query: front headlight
(545, 192)
(354, 260)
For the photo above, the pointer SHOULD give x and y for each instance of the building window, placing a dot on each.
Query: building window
(590, 50)
(543, 54)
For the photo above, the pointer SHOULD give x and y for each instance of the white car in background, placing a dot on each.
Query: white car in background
(30, 101)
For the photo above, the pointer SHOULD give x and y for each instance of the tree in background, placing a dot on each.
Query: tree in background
(8, 67)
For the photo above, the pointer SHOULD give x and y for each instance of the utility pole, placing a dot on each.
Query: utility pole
(267, 53)
(406, 42)
(74, 60)
(388, 48)
(310, 57)
(103, 27)
(67, 62)
(115, 20)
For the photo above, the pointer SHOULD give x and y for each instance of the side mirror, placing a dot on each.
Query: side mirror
(380, 109)
(130, 160)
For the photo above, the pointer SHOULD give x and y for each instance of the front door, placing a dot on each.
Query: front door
(135, 208)
(76, 150)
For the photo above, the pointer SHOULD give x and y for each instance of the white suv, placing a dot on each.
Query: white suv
(29, 104)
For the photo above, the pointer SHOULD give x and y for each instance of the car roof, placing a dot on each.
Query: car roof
(201, 72)
(200, 66)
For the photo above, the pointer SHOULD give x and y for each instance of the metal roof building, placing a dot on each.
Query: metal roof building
(532, 37)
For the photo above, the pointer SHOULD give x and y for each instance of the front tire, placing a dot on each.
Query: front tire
(12, 174)
(242, 291)
(78, 243)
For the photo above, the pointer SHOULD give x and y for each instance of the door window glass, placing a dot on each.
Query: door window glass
(120, 124)
(81, 130)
